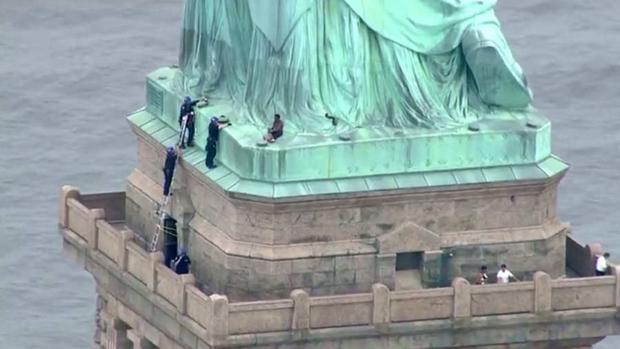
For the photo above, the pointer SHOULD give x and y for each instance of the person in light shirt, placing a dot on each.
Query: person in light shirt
(504, 275)
(601, 264)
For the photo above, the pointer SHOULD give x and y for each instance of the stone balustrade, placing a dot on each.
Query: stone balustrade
(220, 320)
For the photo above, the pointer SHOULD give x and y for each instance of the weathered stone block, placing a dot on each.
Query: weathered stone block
(300, 280)
(542, 292)
(301, 312)
(187, 338)
(220, 316)
(238, 278)
(365, 277)
(381, 305)
(345, 263)
(432, 262)
(322, 279)
(366, 261)
(462, 298)
(385, 269)
(344, 277)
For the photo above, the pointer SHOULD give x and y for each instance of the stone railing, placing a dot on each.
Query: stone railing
(219, 319)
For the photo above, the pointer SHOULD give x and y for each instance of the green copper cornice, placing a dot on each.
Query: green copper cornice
(235, 183)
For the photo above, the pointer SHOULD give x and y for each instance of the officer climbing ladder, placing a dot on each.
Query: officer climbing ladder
(187, 123)
(168, 185)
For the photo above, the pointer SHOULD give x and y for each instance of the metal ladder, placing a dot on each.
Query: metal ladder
(161, 210)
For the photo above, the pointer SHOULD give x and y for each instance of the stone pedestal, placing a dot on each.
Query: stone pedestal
(255, 247)
(146, 305)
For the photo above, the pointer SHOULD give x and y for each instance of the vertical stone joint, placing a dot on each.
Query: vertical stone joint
(185, 279)
(126, 236)
(155, 258)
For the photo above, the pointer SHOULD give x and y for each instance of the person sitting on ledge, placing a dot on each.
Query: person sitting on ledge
(276, 130)
(601, 264)
(181, 264)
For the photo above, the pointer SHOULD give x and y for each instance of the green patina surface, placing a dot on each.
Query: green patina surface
(431, 64)
(426, 93)
(500, 141)
(166, 133)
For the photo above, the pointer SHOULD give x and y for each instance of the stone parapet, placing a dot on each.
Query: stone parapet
(219, 322)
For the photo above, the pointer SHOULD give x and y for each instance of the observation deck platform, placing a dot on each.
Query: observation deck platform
(147, 303)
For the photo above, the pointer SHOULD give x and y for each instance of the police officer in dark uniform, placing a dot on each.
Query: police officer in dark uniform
(214, 136)
(181, 264)
(190, 128)
(187, 110)
(169, 164)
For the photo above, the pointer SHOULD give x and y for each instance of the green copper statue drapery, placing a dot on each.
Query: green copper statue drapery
(395, 63)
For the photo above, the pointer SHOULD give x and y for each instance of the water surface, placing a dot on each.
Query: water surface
(71, 70)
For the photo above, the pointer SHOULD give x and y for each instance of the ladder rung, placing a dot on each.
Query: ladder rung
(161, 210)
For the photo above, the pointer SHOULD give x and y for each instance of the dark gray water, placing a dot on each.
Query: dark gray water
(70, 70)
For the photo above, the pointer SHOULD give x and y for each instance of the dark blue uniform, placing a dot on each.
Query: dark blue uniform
(171, 160)
(186, 109)
(181, 264)
(211, 148)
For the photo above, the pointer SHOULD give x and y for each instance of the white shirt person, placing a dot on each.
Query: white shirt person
(601, 264)
(504, 275)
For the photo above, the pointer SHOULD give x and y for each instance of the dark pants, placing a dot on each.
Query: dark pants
(600, 273)
(190, 134)
(167, 181)
(211, 151)
(182, 266)
(276, 134)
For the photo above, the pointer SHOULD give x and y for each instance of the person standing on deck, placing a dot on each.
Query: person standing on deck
(182, 264)
(504, 275)
(214, 136)
(601, 264)
(482, 277)
(187, 111)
